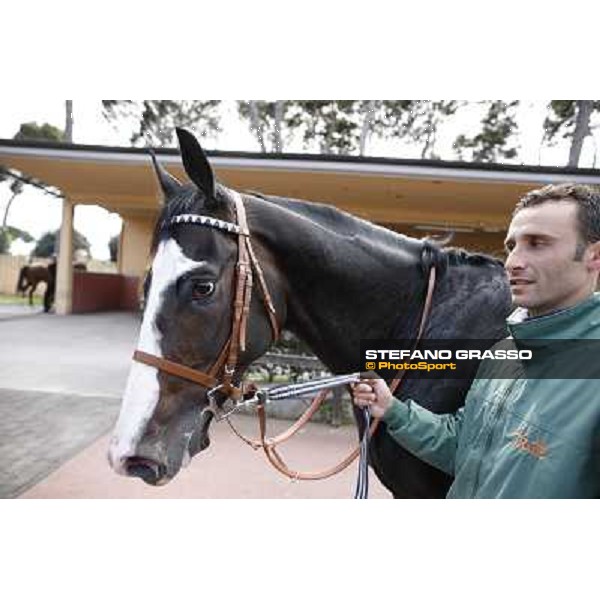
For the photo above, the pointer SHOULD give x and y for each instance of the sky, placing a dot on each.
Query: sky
(37, 212)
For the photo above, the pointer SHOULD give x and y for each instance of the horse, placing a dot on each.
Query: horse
(30, 276)
(327, 276)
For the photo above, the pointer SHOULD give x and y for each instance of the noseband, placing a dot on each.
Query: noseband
(226, 363)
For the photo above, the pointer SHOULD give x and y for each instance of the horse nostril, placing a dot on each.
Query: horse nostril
(144, 468)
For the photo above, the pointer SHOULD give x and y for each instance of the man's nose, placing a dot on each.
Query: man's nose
(514, 261)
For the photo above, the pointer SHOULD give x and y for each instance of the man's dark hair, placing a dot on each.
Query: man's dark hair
(587, 200)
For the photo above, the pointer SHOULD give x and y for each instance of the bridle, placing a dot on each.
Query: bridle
(220, 377)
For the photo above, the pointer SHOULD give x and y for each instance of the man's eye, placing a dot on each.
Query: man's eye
(202, 289)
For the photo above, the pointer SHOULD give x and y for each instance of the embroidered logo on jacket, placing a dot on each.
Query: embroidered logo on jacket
(520, 441)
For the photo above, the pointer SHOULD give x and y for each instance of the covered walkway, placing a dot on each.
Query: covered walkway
(414, 197)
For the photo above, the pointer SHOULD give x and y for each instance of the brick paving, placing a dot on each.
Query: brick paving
(39, 431)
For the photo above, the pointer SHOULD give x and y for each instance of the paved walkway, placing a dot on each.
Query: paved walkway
(78, 354)
(227, 469)
(61, 380)
(39, 431)
(16, 311)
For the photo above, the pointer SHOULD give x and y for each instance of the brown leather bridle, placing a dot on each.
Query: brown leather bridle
(226, 363)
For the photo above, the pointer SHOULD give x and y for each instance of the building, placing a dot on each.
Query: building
(415, 197)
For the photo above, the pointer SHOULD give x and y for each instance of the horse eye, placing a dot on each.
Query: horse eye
(202, 289)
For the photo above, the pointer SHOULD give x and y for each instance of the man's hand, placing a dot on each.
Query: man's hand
(374, 394)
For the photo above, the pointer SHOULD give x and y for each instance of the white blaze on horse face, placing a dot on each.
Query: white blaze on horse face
(142, 390)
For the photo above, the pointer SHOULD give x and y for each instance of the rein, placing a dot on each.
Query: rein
(226, 363)
(269, 444)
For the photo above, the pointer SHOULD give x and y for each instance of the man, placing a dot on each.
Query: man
(524, 438)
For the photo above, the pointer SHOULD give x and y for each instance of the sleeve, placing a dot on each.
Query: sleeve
(431, 437)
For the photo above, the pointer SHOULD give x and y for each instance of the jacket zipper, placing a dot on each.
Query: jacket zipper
(488, 441)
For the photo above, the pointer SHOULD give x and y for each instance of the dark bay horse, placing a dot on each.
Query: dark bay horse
(30, 276)
(333, 279)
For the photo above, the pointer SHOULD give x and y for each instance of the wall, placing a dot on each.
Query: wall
(96, 292)
(10, 266)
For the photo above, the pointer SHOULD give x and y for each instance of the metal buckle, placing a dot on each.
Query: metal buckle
(212, 403)
(257, 397)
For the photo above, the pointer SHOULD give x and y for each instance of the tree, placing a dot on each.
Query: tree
(333, 125)
(426, 122)
(267, 122)
(415, 120)
(9, 234)
(33, 131)
(495, 141)
(113, 247)
(344, 126)
(155, 120)
(16, 187)
(572, 119)
(27, 131)
(69, 121)
(368, 111)
(420, 121)
(47, 245)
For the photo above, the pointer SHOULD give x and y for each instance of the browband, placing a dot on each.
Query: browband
(226, 226)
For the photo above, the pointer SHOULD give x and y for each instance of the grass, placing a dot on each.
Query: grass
(14, 299)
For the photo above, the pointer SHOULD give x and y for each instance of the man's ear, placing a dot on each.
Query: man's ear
(593, 257)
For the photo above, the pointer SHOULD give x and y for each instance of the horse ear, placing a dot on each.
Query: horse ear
(196, 165)
(168, 184)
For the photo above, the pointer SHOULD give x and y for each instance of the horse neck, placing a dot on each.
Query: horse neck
(345, 281)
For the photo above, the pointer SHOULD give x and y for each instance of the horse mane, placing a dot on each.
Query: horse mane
(460, 256)
(344, 224)
(338, 224)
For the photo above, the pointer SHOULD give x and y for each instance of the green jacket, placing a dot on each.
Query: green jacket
(516, 438)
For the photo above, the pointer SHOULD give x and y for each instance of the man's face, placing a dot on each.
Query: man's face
(541, 245)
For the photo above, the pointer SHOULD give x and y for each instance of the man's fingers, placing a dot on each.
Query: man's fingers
(363, 387)
(365, 399)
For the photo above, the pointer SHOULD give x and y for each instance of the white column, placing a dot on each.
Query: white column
(64, 271)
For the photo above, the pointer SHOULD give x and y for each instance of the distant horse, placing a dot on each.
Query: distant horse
(332, 279)
(30, 276)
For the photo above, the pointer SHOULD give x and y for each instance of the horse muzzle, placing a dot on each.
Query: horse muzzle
(150, 471)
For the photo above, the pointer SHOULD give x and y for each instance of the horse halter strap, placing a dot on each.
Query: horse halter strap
(247, 264)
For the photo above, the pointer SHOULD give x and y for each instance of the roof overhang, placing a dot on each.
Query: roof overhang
(395, 192)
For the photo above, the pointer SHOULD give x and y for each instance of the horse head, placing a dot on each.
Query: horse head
(189, 320)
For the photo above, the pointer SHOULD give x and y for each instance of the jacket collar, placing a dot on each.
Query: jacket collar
(567, 323)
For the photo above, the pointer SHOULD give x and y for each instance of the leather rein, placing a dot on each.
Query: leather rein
(226, 363)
